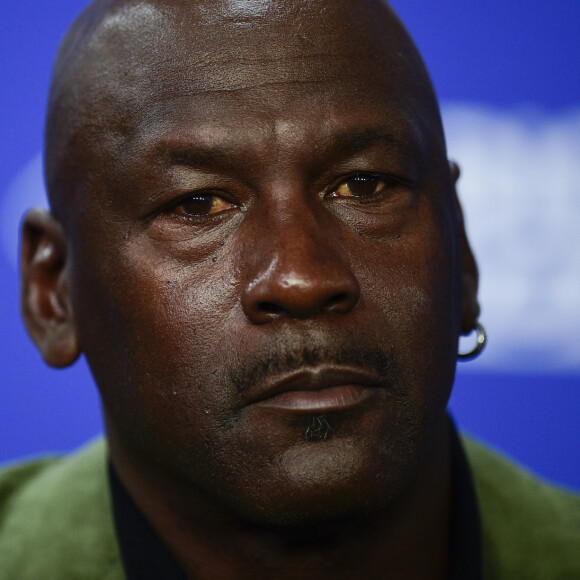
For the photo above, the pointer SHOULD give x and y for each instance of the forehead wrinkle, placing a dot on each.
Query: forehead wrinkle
(204, 74)
(292, 59)
(239, 88)
(157, 27)
(124, 29)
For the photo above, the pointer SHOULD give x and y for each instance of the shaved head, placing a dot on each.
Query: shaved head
(107, 70)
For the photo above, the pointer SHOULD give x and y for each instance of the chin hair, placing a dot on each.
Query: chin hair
(319, 429)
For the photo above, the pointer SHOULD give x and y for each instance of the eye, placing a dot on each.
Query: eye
(200, 205)
(360, 185)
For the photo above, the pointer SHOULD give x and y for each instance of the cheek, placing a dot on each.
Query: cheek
(413, 283)
(154, 336)
(414, 287)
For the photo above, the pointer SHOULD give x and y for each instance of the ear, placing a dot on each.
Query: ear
(45, 300)
(470, 277)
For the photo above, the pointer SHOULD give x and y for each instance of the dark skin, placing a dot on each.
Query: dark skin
(254, 232)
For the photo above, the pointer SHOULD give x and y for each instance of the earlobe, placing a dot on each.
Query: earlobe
(469, 274)
(469, 304)
(45, 299)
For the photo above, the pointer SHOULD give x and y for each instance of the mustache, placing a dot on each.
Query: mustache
(289, 357)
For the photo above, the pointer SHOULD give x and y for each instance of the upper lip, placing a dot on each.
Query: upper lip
(314, 379)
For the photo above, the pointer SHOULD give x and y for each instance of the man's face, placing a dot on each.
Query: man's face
(264, 269)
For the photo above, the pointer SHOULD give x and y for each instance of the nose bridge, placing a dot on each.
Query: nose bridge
(300, 245)
(298, 269)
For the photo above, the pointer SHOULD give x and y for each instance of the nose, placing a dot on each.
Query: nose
(299, 273)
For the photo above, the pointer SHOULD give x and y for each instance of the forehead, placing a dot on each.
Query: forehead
(144, 55)
(240, 71)
(217, 29)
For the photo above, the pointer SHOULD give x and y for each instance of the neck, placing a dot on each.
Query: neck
(406, 539)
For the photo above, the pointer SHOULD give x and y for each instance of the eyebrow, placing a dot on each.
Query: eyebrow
(346, 143)
(352, 142)
(204, 156)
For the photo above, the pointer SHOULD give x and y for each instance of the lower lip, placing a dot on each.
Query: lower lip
(333, 399)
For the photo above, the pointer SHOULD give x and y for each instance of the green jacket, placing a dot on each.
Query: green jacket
(56, 520)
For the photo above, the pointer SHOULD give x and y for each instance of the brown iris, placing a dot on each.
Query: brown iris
(360, 186)
(202, 205)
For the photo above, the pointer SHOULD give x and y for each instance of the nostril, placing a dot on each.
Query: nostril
(270, 308)
(337, 301)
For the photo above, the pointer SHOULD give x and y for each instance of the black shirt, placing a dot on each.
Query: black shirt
(145, 557)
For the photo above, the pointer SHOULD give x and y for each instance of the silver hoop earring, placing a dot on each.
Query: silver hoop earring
(479, 345)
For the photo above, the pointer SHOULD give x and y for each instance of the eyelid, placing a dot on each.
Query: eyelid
(216, 200)
(387, 179)
(172, 207)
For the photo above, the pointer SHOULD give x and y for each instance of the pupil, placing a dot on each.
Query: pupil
(362, 185)
(198, 205)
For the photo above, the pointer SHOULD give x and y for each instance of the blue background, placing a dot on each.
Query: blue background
(503, 54)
